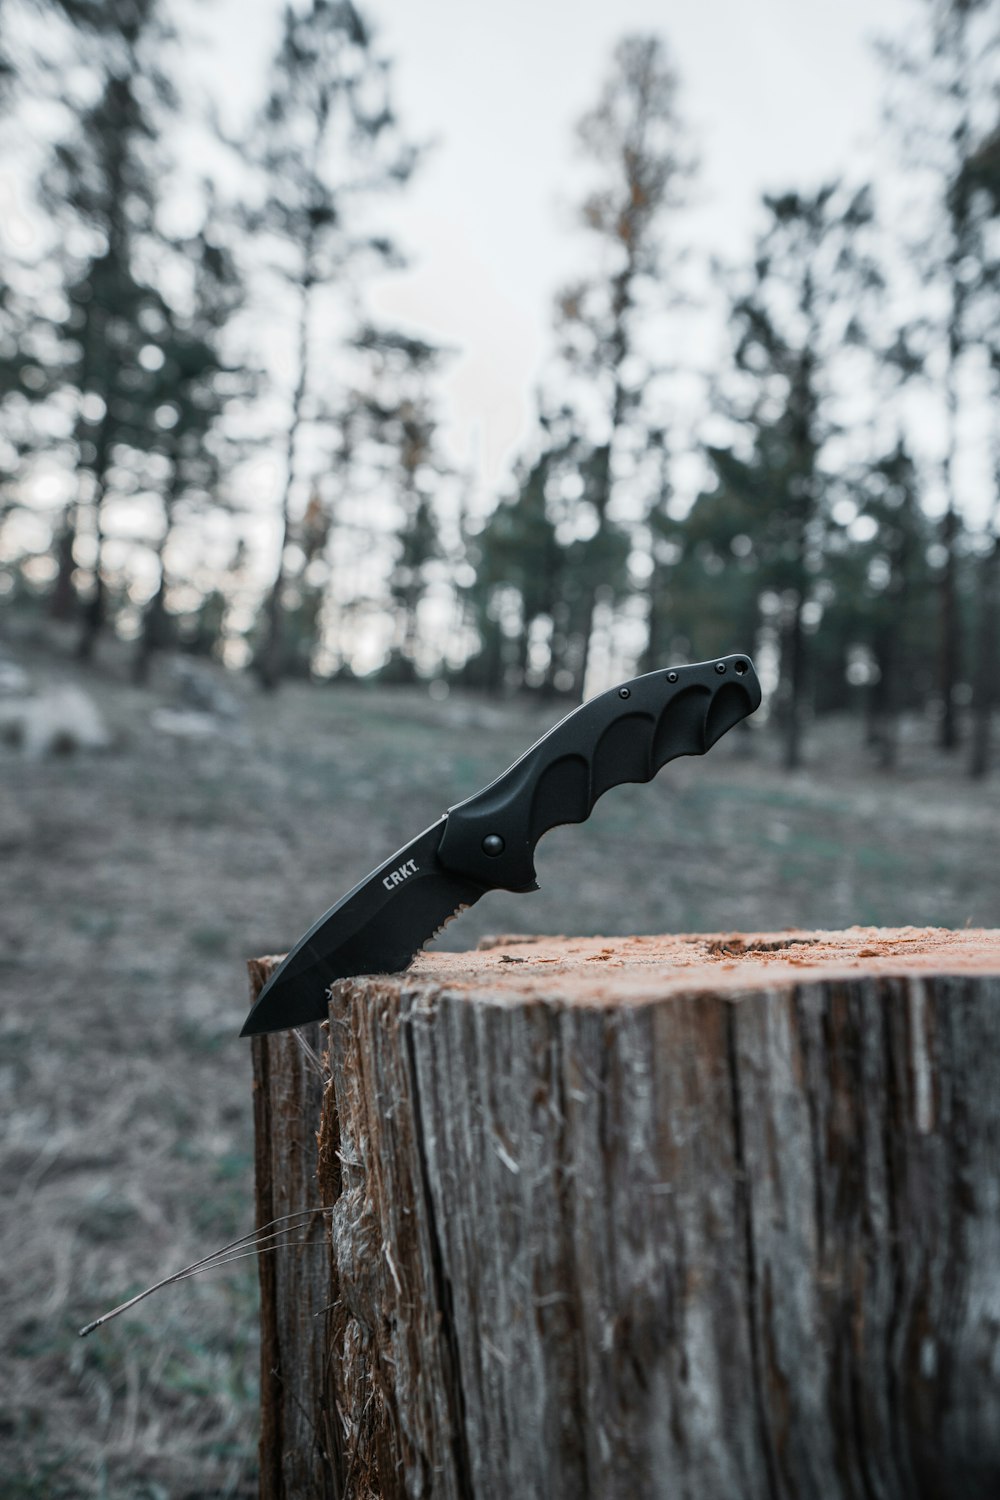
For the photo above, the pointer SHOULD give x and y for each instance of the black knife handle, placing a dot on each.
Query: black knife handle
(625, 734)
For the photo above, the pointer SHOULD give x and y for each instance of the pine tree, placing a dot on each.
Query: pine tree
(104, 178)
(975, 197)
(526, 595)
(25, 378)
(716, 576)
(891, 602)
(326, 139)
(394, 417)
(805, 303)
(664, 550)
(946, 77)
(194, 385)
(634, 143)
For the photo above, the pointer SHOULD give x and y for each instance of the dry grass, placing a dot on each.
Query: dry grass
(135, 883)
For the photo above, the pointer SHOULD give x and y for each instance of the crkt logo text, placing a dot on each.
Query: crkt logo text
(398, 876)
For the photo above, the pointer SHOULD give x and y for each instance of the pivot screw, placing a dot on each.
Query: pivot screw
(740, 668)
(671, 676)
(493, 845)
(720, 667)
(624, 692)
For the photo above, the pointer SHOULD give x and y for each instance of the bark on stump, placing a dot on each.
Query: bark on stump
(703, 1216)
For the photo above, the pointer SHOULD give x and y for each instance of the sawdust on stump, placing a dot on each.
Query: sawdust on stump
(659, 967)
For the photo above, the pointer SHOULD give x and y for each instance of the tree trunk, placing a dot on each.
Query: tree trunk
(950, 649)
(883, 719)
(642, 1217)
(793, 675)
(271, 660)
(62, 600)
(985, 694)
(152, 631)
(94, 610)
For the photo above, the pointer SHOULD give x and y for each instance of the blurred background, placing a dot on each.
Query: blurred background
(375, 384)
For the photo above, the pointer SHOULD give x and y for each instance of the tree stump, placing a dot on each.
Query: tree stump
(687, 1216)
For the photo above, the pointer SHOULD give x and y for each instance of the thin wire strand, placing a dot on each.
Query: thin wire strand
(223, 1258)
(245, 1255)
(311, 1055)
(259, 1236)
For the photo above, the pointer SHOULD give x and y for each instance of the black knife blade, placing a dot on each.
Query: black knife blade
(488, 841)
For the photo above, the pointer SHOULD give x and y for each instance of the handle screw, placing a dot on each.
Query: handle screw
(624, 692)
(720, 667)
(493, 844)
(671, 676)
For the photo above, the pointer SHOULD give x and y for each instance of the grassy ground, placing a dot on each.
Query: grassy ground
(136, 882)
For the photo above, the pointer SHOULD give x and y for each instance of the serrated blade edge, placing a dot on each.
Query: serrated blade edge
(377, 928)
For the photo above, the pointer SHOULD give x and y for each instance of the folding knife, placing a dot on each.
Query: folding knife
(488, 841)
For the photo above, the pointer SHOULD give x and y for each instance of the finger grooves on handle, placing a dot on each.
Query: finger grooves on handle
(730, 704)
(681, 726)
(561, 795)
(623, 753)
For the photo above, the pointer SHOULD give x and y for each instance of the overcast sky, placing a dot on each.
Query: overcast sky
(777, 93)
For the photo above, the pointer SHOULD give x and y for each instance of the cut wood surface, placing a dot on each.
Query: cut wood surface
(712, 1216)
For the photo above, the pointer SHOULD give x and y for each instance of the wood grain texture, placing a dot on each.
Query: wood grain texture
(708, 1216)
(299, 1452)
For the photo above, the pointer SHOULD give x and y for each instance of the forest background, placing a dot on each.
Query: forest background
(212, 443)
